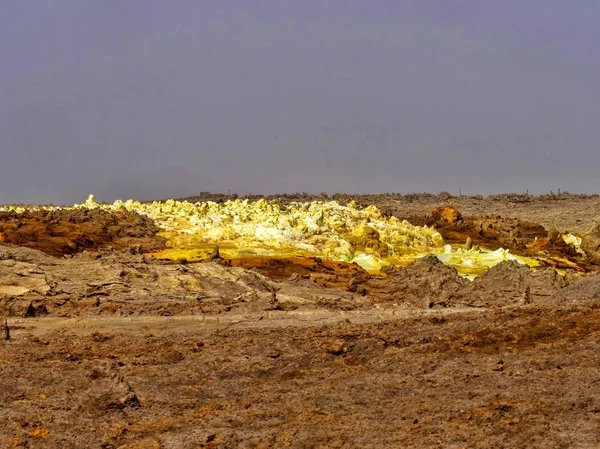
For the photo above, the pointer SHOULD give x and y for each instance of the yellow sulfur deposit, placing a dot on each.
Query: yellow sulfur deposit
(474, 262)
(323, 229)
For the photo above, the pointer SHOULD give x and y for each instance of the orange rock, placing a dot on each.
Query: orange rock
(41, 433)
(448, 214)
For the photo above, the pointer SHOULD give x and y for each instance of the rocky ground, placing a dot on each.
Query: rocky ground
(105, 346)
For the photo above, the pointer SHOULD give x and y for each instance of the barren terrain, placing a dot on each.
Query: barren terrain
(106, 346)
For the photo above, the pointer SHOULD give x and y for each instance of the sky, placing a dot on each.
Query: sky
(152, 99)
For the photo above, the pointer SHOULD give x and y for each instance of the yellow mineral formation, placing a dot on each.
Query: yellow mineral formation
(326, 229)
(323, 229)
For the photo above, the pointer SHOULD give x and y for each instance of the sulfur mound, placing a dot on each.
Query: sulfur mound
(261, 228)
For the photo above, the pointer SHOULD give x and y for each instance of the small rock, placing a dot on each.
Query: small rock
(388, 269)
(335, 347)
(136, 249)
(354, 282)
(33, 311)
(131, 401)
(215, 255)
(274, 354)
(553, 235)
(468, 244)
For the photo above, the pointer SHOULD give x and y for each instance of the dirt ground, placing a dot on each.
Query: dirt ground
(111, 348)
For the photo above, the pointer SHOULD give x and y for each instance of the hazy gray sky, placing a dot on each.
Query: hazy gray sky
(156, 98)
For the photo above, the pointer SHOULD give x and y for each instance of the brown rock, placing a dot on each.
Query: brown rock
(215, 255)
(590, 243)
(356, 281)
(553, 235)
